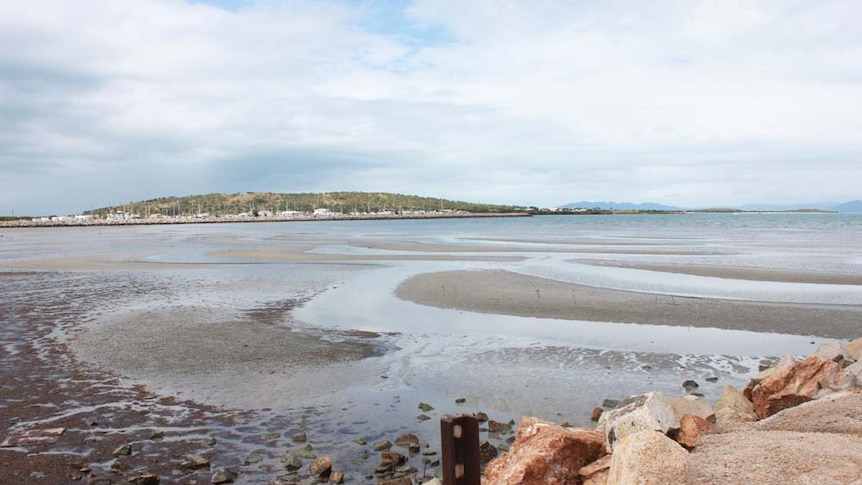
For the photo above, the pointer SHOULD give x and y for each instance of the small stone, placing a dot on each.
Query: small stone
(482, 417)
(360, 441)
(382, 445)
(146, 477)
(425, 407)
(252, 459)
(210, 441)
(389, 460)
(712, 379)
(157, 435)
(610, 403)
(460, 400)
(487, 452)
(690, 385)
(336, 477)
(269, 436)
(300, 437)
(498, 427)
(423, 417)
(93, 480)
(597, 413)
(320, 467)
(291, 462)
(397, 481)
(223, 475)
(124, 450)
(196, 462)
(405, 440)
(429, 453)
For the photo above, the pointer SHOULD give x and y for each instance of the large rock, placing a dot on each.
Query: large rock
(652, 411)
(854, 348)
(691, 428)
(839, 413)
(691, 405)
(776, 458)
(733, 406)
(647, 458)
(785, 362)
(794, 385)
(834, 351)
(545, 453)
(596, 473)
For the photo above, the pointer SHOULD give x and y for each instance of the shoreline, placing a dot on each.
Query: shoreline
(508, 293)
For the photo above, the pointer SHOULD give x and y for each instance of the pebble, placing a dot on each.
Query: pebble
(360, 441)
(712, 379)
(196, 461)
(423, 417)
(300, 437)
(224, 475)
(597, 413)
(460, 400)
(124, 450)
(425, 407)
(382, 445)
(690, 385)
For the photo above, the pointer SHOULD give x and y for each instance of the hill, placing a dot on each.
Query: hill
(852, 206)
(224, 204)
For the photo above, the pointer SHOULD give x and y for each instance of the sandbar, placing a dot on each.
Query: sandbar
(509, 293)
(737, 272)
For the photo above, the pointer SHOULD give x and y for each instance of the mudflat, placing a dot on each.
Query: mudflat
(510, 293)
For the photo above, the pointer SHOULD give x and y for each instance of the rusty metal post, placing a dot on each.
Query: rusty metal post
(459, 439)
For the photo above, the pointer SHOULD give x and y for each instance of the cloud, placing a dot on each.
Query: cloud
(689, 103)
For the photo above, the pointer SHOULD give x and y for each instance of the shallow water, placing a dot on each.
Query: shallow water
(503, 365)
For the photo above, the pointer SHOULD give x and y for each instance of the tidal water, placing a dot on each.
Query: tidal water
(504, 365)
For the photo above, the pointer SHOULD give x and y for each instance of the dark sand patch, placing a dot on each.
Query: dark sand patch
(508, 293)
(737, 273)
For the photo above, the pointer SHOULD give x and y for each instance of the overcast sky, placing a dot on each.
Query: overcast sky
(532, 102)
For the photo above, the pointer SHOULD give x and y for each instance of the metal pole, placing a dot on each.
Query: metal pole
(459, 438)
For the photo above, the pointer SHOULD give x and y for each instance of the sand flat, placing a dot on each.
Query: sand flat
(509, 293)
(290, 255)
(736, 272)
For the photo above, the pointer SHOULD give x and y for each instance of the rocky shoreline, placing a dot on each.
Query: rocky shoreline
(796, 422)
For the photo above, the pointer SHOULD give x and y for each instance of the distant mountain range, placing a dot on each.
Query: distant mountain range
(852, 206)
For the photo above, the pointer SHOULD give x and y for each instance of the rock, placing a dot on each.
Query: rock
(224, 475)
(849, 378)
(406, 440)
(690, 385)
(650, 411)
(389, 460)
(498, 427)
(733, 406)
(382, 445)
(196, 462)
(647, 458)
(270, 436)
(460, 400)
(834, 351)
(124, 450)
(304, 453)
(95, 480)
(397, 481)
(839, 413)
(600, 478)
(320, 467)
(786, 361)
(253, 459)
(423, 417)
(425, 407)
(793, 385)
(776, 458)
(291, 462)
(691, 428)
(712, 379)
(597, 413)
(209, 441)
(434, 481)
(487, 452)
(610, 403)
(482, 417)
(146, 477)
(300, 437)
(336, 477)
(854, 349)
(692, 405)
(545, 453)
(360, 441)
(602, 464)
(157, 435)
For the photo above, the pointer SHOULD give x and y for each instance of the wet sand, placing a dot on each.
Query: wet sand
(290, 255)
(509, 293)
(737, 273)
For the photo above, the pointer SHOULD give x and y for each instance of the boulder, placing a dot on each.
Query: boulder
(848, 378)
(596, 473)
(647, 458)
(854, 348)
(834, 351)
(691, 405)
(839, 413)
(691, 428)
(545, 453)
(734, 406)
(794, 385)
(784, 362)
(651, 411)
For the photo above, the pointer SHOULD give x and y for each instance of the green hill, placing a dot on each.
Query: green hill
(224, 204)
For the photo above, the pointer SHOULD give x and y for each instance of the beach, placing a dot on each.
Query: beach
(230, 341)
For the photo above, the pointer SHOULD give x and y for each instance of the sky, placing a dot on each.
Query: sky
(688, 103)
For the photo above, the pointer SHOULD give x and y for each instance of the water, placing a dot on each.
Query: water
(345, 274)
